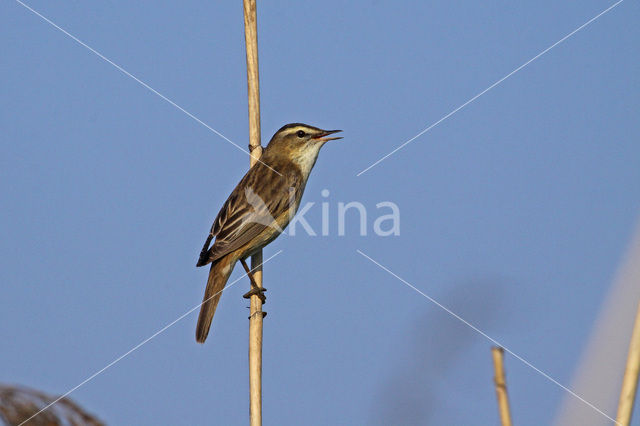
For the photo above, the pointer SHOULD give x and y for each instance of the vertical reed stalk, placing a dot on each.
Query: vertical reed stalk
(256, 314)
(630, 380)
(501, 386)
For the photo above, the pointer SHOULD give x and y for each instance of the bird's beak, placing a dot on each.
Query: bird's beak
(321, 136)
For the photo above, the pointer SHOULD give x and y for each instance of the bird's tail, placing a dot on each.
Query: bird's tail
(218, 276)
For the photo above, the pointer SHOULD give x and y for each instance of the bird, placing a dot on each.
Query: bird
(257, 211)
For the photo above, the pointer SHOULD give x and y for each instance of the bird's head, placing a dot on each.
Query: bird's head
(299, 143)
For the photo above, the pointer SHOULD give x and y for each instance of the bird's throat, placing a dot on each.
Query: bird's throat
(306, 159)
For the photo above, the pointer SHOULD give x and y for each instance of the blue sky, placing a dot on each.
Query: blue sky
(515, 211)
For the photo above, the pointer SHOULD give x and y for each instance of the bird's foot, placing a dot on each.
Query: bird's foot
(258, 291)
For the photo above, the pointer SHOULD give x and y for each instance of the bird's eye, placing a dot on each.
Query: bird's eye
(301, 133)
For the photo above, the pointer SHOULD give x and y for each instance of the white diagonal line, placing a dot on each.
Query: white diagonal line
(492, 86)
(142, 83)
(136, 347)
(485, 335)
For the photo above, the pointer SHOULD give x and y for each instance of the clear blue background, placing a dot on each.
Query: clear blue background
(515, 212)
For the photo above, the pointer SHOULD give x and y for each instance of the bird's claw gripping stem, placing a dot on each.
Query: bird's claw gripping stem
(258, 292)
(255, 289)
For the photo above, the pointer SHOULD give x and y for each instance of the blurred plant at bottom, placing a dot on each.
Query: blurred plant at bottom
(18, 403)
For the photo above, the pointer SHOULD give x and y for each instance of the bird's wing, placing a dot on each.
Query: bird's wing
(250, 209)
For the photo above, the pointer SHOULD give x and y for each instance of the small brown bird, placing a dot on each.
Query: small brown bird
(258, 210)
